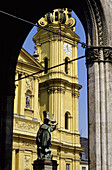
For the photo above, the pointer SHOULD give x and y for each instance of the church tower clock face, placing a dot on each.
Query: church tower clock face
(67, 48)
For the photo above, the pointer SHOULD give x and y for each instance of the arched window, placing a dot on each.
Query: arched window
(66, 120)
(46, 65)
(66, 65)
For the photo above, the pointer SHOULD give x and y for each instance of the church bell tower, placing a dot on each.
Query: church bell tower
(58, 87)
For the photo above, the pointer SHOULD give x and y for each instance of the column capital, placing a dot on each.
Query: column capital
(56, 90)
(93, 54)
(75, 94)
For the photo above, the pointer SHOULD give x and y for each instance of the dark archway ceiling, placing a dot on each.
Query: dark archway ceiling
(32, 12)
(16, 31)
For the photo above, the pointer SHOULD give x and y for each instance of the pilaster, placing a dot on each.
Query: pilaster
(75, 96)
(22, 96)
(20, 160)
(13, 159)
(36, 111)
(16, 95)
(56, 103)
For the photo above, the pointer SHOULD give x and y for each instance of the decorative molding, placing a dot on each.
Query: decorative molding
(75, 94)
(50, 18)
(25, 126)
(28, 144)
(107, 54)
(94, 54)
(27, 161)
(98, 21)
(29, 83)
(56, 90)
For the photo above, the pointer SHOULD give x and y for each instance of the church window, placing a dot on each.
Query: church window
(46, 65)
(67, 166)
(66, 120)
(83, 168)
(66, 65)
(83, 155)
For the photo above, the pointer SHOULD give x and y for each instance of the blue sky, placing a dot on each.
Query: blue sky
(82, 73)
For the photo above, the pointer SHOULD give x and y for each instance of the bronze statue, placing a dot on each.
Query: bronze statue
(43, 139)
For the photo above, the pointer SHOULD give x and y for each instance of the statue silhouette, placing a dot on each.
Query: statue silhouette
(43, 139)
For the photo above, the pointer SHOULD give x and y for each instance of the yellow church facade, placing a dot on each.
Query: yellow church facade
(54, 90)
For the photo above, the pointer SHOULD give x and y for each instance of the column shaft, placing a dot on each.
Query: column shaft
(103, 113)
(99, 64)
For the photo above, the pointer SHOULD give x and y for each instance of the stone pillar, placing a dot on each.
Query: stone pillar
(99, 67)
(6, 129)
(45, 165)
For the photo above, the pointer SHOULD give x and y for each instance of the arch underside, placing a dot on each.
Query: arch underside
(12, 35)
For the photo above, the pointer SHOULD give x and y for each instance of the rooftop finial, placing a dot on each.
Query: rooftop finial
(57, 17)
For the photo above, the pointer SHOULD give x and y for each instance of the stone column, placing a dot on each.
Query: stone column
(99, 66)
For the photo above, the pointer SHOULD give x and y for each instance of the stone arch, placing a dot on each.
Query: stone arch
(95, 17)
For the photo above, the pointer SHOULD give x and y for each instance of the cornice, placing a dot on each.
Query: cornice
(43, 36)
(27, 71)
(63, 145)
(60, 78)
(28, 65)
(25, 54)
(60, 85)
(23, 136)
(58, 75)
